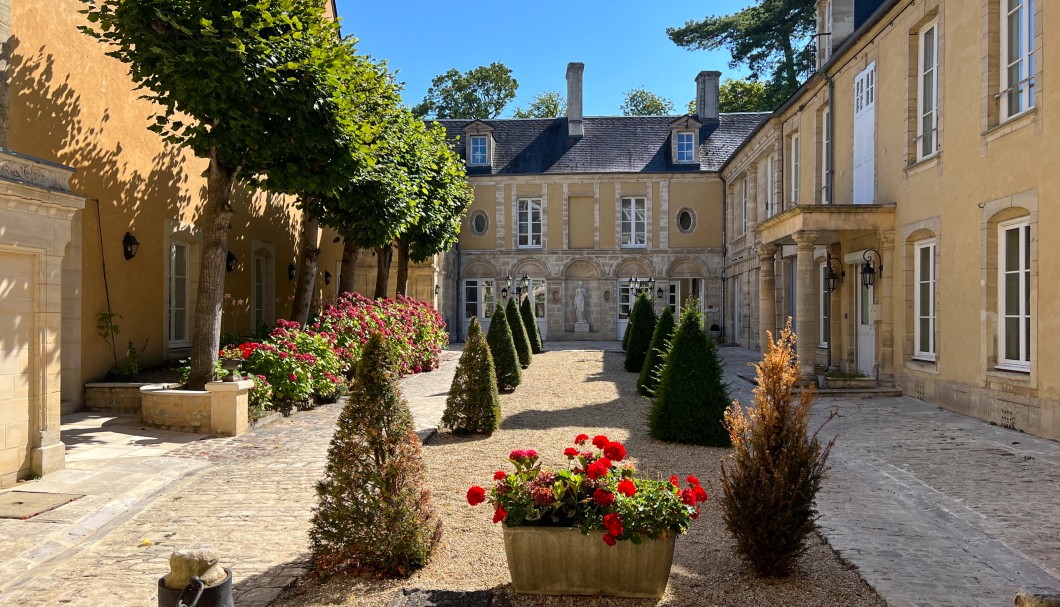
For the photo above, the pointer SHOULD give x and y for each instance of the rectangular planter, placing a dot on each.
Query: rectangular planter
(849, 383)
(560, 560)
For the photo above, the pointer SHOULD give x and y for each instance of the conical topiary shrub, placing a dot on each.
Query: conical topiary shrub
(473, 406)
(522, 342)
(374, 513)
(775, 471)
(642, 327)
(691, 398)
(625, 334)
(502, 347)
(660, 343)
(526, 311)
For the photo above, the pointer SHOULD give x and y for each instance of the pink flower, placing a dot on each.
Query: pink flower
(292, 377)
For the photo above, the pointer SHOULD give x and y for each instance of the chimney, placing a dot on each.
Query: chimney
(574, 99)
(707, 96)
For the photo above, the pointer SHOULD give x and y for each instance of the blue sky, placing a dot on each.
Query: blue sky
(622, 43)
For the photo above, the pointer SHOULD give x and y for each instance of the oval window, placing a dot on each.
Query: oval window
(479, 223)
(686, 220)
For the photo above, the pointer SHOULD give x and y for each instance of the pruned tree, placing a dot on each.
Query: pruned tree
(526, 311)
(642, 102)
(641, 328)
(767, 37)
(660, 345)
(502, 346)
(482, 92)
(473, 406)
(522, 340)
(245, 84)
(548, 104)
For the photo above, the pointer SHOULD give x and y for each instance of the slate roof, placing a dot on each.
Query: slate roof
(611, 144)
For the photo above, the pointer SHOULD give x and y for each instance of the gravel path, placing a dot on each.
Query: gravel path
(565, 392)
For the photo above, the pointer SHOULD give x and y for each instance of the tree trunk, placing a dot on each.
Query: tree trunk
(206, 326)
(383, 257)
(308, 252)
(349, 266)
(403, 268)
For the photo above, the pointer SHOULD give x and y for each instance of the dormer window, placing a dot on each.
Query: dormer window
(685, 146)
(479, 154)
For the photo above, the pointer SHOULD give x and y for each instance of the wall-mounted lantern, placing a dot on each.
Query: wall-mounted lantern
(831, 279)
(291, 271)
(327, 277)
(659, 293)
(437, 289)
(868, 273)
(230, 262)
(129, 245)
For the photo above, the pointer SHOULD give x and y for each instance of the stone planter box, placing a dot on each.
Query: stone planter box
(116, 397)
(849, 383)
(560, 560)
(222, 409)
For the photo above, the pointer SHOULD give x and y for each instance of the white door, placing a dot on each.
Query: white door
(674, 300)
(478, 302)
(866, 329)
(625, 306)
(537, 302)
(865, 136)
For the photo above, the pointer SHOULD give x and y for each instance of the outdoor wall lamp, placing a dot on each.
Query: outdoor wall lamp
(230, 262)
(651, 284)
(831, 279)
(291, 271)
(524, 285)
(634, 283)
(659, 293)
(327, 277)
(129, 245)
(437, 289)
(504, 292)
(868, 273)
(511, 282)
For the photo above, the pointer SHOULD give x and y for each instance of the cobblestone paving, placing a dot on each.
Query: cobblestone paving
(934, 508)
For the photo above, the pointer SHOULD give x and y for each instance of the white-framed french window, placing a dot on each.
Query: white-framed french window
(824, 308)
(479, 154)
(826, 159)
(177, 278)
(625, 299)
(924, 288)
(634, 223)
(1014, 295)
(1017, 57)
(771, 186)
(794, 170)
(686, 150)
(673, 298)
(478, 298)
(528, 224)
(263, 283)
(927, 105)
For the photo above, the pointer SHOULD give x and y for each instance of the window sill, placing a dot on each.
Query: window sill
(1011, 377)
(633, 246)
(529, 246)
(1008, 369)
(1011, 124)
(925, 163)
(924, 365)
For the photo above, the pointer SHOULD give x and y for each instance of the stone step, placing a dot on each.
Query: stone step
(830, 392)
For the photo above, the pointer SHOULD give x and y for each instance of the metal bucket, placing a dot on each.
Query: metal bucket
(197, 595)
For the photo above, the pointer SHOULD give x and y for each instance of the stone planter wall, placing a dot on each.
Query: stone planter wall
(116, 397)
(223, 408)
(560, 560)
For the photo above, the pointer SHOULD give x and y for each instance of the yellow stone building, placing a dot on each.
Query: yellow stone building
(913, 169)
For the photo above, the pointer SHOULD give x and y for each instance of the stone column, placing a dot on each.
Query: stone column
(767, 293)
(885, 318)
(835, 312)
(805, 319)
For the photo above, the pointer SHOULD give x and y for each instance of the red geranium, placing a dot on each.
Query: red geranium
(692, 480)
(688, 497)
(673, 480)
(613, 524)
(603, 497)
(615, 451)
(570, 452)
(580, 439)
(599, 468)
(499, 514)
(500, 475)
(476, 495)
(701, 495)
(627, 488)
(600, 441)
(609, 539)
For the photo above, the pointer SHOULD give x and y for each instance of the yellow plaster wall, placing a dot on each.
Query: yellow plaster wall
(486, 201)
(705, 199)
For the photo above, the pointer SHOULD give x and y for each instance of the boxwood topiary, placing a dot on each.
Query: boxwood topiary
(642, 326)
(522, 342)
(473, 406)
(530, 322)
(502, 347)
(660, 343)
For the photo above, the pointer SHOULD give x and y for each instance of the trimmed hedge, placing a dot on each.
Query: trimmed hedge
(502, 347)
(642, 327)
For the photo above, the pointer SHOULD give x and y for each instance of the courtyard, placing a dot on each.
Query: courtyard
(921, 507)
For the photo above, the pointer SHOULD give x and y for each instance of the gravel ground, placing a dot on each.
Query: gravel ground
(564, 393)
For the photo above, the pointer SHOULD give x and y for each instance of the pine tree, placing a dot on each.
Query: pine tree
(642, 326)
(691, 398)
(473, 406)
(374, 513)
(502, 347)
(527, 312)
(660, 343)
(522, 342)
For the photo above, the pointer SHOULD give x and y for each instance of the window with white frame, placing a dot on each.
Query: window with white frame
(634, 222)
(478, 298)
(825, 305)
(771, 186)
(1017, 57)
(927, 125)
(538, 289)
(1014, 295)
(794, 165)
(178, 295)
(685, 146)
(529, 222)
(674, 298)
(479, 150)
(826, 159)
(924, 299)
(743, 205)
(625, 299)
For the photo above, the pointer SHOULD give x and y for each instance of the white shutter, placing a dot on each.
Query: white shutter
(865, 136)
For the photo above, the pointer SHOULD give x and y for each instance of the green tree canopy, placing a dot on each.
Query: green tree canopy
(642, 102)
(548, 104)
(767, 37)
(482, 92)
(744, 96)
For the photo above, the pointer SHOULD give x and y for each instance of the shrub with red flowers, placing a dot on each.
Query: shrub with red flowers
(298, 365)
(413, 329)
(595, 492)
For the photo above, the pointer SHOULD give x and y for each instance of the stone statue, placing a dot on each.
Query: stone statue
(579, 302)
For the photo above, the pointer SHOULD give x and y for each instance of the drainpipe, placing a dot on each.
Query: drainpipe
(458, 316)
(724, 250)
(829, 176)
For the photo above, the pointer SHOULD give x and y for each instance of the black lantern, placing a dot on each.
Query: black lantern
(511, 283)
(437, 289)
(868, 273)
(230, 262)
(129, 245)
(659, 293)
(291, 270)
(634, 283)
(524, 285)
(504, 292)
(651, 284)
(327, 277)
(831, 279)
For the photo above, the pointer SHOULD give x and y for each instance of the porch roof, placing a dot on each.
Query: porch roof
(828, 220)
